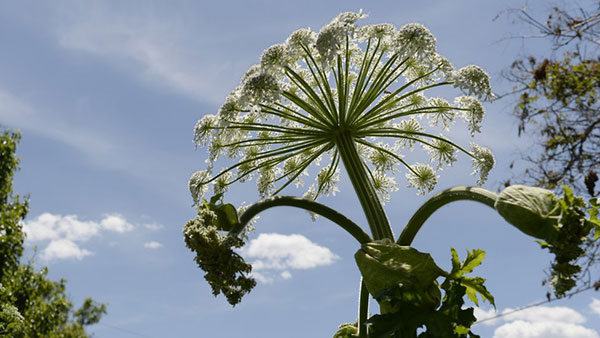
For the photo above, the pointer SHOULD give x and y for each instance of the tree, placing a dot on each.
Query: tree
(559, 100)
(349, 96)
(558, 103)
(31, 305)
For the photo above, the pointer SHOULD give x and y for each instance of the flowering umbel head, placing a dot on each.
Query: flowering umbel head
(369, 83)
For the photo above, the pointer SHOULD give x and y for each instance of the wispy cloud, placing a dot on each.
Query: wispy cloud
(64, 234)
(152, 245)
(273, 252)
(104, 148)
(14, 111)
(155, 49)
(539, 322)
(595, 306)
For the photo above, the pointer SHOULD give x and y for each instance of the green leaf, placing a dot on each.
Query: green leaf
(474, 287)
(347, 330)
(396, 297)
(407, 320)
(472, 261)
(384, 264)
(227, 215)
(461, 330)
(455, 261)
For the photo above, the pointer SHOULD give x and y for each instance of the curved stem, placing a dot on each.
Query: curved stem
(376, 217)
(439, 200)
(306, 204)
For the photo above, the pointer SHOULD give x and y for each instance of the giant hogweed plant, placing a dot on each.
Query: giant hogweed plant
(355, 97)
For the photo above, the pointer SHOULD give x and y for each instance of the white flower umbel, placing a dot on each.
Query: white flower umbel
(483, 162)
(472, 112)
(349, 95)
(473, 80)
(422, 177)
(384, 185)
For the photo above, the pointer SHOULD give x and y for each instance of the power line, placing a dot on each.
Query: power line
(506, 313)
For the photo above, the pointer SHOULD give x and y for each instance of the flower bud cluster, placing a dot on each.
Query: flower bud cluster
(226, 271)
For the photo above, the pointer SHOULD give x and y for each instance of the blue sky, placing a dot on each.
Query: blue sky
(106, 95)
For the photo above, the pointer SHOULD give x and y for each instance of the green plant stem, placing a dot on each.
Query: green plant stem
(376, 217)
(363, 309)
(345, 223)
(439, 200)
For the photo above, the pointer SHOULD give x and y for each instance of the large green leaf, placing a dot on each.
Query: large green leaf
(384, 264)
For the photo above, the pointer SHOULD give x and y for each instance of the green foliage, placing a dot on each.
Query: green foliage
(31, 305)
(346, 330)
(403, 281)
(562, 98)
(12, 208)
(89, 313)
(473, 285)
(577, 222)
(384, 264)
(558, 101)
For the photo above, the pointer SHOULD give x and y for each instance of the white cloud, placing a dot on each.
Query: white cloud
(153, 226)
(282, 252)
(62, 233)
(261, 277)
(53, 227)
(63, 249)
(482, 315)
(152, 245)
(546, 329)
(116, 223)
(543, 322)
(546, 314)
(595, 305)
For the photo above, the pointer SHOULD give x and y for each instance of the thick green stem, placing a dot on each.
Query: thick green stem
(439, 200)
(376, 217)
(363, 309)
(345, 223)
